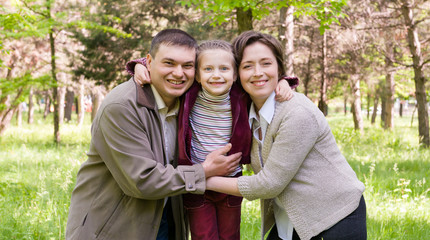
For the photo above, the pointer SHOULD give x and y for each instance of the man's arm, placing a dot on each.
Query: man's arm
(126, 148)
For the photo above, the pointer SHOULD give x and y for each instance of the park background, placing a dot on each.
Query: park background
(364, 63)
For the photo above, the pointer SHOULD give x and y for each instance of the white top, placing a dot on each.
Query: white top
(262, 121)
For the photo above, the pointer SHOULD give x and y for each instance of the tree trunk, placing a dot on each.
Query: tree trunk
(98, 98)
(345, 102)
(54, 78)
(18, 111)
(401, 108)
(369, 97)
(47, 104)
(80, 106)
(308, 74)
(389, 87)
(5, 120)
(322, 104)
(287, 37)
(30, 107)
(420, 93)
(356, 104)
(375, 108)
(383, 99)
(61, 104)
(244, 19)
(70, 97)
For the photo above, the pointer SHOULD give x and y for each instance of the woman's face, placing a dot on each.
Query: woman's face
(258, 72)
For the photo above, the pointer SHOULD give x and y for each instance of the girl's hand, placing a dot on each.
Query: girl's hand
(141, 75)
(283, 91)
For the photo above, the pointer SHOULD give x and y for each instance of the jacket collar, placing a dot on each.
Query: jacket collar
(145, 96)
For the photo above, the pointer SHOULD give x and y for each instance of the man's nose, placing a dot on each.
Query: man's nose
(178, 72)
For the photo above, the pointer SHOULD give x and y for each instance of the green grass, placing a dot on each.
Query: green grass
(37, 177)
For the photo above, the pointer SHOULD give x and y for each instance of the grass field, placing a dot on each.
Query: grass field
(37, 177)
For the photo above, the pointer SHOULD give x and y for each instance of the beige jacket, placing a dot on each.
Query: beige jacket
(120, 189)
(304, 168)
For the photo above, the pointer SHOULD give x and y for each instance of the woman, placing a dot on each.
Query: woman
(307, 187)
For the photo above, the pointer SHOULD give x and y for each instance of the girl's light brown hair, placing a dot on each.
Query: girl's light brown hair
(215, 45)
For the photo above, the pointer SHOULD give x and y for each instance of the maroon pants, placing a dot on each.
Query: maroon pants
(213, 216)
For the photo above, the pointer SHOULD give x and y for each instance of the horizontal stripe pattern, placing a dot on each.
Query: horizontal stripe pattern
(211, 124)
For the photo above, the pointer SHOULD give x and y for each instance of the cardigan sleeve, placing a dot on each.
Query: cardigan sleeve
(129, 66)
(293, 139)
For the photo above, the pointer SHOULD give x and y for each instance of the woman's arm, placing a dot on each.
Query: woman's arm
(224, 185)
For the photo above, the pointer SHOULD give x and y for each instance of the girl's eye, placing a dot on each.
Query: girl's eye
(207, 69)
(224, 68)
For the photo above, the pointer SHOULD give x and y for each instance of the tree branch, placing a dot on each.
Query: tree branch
(33, 10)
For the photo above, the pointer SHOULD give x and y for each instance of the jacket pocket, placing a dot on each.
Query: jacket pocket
(110, 219)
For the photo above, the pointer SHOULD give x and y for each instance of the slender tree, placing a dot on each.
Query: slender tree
(407, 8)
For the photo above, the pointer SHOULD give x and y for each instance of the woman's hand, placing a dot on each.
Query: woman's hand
(141, 75)
(283, 91)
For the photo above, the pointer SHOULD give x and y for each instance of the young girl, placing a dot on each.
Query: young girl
(214, 113)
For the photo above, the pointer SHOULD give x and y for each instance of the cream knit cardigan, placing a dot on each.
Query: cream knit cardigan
(304, 168)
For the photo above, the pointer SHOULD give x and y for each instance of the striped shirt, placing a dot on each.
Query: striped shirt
(211, 123)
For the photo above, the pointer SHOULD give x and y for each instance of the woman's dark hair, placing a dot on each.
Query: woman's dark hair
(249, 37)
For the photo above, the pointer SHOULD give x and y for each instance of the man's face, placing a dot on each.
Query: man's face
(172, 71)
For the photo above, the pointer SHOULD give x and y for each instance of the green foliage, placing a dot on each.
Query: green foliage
(22, 85)
(105, 54)
(220, 11)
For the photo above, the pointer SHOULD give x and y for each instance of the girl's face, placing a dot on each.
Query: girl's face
(216, 71)
(258, 72)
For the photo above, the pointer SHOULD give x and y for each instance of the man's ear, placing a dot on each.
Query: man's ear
(148, 62)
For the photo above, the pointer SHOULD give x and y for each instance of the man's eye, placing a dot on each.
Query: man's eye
(188, 66)
(168, 63)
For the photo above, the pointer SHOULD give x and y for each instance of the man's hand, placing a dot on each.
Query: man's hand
(141, 75)
(283, 91)
(217, 164)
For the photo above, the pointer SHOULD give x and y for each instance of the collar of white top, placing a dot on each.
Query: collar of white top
(266, 112)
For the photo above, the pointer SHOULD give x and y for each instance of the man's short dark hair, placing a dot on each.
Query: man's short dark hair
(172, 37)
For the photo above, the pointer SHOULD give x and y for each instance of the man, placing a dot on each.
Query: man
(130, 186)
